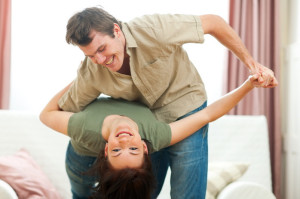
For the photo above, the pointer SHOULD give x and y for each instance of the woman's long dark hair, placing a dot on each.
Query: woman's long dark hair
(125, 183)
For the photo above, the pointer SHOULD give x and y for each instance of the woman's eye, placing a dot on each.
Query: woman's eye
(116, 150)
(133, 148)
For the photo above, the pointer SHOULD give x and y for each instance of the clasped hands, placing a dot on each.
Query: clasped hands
(264, 76)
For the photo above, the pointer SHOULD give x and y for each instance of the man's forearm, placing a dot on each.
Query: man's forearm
(218, 28)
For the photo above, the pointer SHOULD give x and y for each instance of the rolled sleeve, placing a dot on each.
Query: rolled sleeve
(199, 29)
(67, 104)
(81, 93)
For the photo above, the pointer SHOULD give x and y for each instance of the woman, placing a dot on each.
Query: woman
(120, 127)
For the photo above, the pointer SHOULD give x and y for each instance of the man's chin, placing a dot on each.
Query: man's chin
(112, 68)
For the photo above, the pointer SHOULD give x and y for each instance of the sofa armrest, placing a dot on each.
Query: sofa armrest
(245, 190)
(6, 191)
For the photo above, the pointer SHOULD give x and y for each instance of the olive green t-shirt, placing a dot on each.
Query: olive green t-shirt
(85, 127)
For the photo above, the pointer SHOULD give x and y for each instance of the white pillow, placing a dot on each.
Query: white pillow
(6, 191)
(221, 174)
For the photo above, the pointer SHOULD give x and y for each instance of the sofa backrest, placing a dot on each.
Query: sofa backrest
(242, 139)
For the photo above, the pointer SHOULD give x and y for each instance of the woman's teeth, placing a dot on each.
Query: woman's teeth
(123, 133)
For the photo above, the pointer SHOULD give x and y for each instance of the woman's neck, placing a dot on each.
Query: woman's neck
(106, 126)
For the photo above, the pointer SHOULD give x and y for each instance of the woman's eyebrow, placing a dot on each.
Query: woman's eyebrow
(116, 155)
(134, 153)
(131, 152)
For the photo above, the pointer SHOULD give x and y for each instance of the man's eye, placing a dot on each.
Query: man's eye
(101, 50)
(133, 148)
(116, 150)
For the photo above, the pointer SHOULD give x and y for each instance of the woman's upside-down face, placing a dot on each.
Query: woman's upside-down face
(124, 148)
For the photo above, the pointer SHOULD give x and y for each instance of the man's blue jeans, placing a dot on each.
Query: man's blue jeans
(188, 161)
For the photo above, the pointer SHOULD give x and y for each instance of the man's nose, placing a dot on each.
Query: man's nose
(99, 58)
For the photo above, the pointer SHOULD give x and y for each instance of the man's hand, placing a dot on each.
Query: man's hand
(266, 78)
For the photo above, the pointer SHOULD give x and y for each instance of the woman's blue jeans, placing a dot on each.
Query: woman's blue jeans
(188, 161)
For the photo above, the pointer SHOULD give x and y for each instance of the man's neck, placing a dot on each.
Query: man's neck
(125, 69)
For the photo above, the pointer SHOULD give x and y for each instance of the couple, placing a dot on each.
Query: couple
(142, 60)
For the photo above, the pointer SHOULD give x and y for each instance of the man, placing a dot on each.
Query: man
(143, 60)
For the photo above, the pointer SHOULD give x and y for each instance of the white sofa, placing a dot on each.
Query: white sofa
(231, 138)
(242, 139)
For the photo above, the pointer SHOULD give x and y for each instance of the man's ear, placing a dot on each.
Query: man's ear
(106, 150)
(117, 30)
(145, 147)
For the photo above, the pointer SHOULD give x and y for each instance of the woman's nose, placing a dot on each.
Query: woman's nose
(124, 141)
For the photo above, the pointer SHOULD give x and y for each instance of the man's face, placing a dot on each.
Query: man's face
(105, 50)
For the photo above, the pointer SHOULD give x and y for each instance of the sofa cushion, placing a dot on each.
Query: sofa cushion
(246, 190)
(221, 174)
(25, 176)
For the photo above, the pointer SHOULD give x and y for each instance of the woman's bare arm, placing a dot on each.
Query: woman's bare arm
(53, 117)
(187, 126)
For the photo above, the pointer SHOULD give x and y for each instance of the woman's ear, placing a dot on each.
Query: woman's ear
(145, 147)
(106, 150)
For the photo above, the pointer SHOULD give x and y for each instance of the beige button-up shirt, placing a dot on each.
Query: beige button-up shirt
(162, 76)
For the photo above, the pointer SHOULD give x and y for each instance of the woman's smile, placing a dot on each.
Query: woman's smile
(124, 133)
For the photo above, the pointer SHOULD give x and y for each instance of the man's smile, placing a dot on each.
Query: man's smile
(110, 61)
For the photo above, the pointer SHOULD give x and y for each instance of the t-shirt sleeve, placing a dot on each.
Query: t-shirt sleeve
(158, 133)
(81, 92)
(76, 126)
(85, 133)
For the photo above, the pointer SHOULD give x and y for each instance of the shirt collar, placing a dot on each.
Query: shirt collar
(130, 41)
